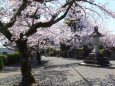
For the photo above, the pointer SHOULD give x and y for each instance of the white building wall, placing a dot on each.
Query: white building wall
(6, 51)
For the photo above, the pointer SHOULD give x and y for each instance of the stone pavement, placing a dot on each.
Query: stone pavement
(79, 75)
(67, 72)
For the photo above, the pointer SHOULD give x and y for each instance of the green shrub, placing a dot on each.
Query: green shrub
(1, 62)
(51, 52)
(13, 58)
(9, 59)
(5, 59)
(101, 51)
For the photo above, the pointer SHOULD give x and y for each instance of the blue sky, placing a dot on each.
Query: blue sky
(109, 22)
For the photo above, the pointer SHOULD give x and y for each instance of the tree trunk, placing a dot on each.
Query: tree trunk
(27, 77)
(38, 58)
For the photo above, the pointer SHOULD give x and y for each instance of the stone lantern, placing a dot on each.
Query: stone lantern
(94, 57)
(96, 40)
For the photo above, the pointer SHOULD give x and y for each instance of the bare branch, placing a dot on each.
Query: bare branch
(34, 15)
(5, 31)
(68, 2)
(18, 13)
(100, 7)
(95, 12)
(61, 17)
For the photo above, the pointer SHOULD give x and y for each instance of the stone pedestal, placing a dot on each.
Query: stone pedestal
(103, 61)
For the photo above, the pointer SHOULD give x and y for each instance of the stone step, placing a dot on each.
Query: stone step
(90, 61)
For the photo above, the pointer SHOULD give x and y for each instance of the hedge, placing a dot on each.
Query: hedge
(9, 59)
(13, 58)
(1, 62)
(49, 52)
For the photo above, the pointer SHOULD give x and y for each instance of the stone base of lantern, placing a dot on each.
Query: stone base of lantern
(101, 63)
(92, 59)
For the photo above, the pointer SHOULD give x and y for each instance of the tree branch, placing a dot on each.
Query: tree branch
(18, 13)
(5, 31)
(94, 12)
(34, 15)
(100, 7)
(53, 20)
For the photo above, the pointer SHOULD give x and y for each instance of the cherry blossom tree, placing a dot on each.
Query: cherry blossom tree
(108, 40)
(25, 17)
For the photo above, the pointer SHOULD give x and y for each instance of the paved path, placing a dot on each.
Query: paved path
(75, 74)
(67, 72)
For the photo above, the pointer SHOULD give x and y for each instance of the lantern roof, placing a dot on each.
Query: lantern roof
(96, 33)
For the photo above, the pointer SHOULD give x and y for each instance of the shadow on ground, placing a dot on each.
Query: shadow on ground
(51, 76)
(16, 67)
(60, 66)
(11, 68)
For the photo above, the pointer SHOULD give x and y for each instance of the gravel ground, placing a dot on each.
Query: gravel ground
(58, 78)
(10, 80)
(54, 73)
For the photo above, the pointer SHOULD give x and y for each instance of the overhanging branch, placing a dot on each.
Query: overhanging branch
(53, 20)
(18, 13)
(5, 31)
(34, 15)
(100, 7)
